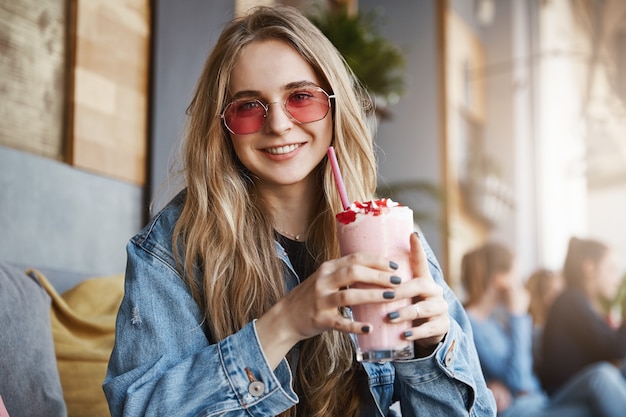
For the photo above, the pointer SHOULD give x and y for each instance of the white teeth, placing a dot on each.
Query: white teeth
(282, 149)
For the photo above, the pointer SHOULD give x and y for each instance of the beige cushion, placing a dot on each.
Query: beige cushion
(83, 327)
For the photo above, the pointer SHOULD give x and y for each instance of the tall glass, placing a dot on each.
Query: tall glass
(382, 227)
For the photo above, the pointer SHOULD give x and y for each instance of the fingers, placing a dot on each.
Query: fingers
(428, 313)
(367, 259)
(362, 268)
(427, 332)
(338, 319)
(343, 323)
(350, 280)
(432, 322)
(416, 309)
(363, 278)
(419, 261)
(420, 312)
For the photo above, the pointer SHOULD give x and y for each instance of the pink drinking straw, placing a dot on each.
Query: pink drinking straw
(338, 179)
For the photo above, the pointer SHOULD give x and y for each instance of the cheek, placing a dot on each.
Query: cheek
(326, 132)
(609, 284)
(240, 146)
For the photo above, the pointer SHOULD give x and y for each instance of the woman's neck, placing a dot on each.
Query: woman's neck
(590, 291)
(291, 208)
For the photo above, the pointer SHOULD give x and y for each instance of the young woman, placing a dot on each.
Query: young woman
(235, 291)
(577, 333)
(497, 304)
(543, 286)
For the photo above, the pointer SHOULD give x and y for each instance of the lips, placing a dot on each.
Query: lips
(281, 150)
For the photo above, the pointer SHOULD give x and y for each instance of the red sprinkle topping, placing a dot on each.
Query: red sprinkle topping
(375, 208)
(346, 217)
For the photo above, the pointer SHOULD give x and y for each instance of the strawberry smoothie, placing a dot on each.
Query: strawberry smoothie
(383, 227)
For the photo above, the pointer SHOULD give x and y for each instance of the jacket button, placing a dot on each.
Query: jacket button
(256, 388)
(449, 358)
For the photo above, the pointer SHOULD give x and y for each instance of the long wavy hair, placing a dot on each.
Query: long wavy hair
(479, 266)
(225, 231)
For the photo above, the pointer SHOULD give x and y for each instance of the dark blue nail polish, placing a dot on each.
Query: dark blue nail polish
(389, 295)
(393, 315)
(365, 329)
(393, 265)
(408, 333)
(395, 279)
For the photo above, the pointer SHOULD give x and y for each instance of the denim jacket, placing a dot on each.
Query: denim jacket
(504, 345)
(165, 364)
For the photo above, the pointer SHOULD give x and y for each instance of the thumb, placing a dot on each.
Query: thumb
(419, 261)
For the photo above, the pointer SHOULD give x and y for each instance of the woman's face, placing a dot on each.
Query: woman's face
(283, 152)
(606, 277)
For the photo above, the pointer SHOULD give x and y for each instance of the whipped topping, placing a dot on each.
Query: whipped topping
(372, 207)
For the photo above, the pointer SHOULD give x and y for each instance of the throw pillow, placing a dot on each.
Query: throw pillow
(83, 328)
(29, 379)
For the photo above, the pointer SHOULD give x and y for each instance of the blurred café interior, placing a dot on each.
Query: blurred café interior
(500, 120)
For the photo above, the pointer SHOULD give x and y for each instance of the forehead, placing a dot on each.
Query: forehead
(269, 66)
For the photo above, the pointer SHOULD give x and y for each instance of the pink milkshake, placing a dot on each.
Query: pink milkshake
(382, 227)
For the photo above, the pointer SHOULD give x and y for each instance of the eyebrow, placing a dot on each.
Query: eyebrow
(287, 87)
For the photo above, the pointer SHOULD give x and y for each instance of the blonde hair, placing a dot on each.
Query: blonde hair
(540, 285)
(479, 266)
(225, 234)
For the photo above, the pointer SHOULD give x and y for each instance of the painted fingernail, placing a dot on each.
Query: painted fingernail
(365, 329)
(393, 315)
(408, 333)
(395, 279)
(393, 265)
(416, 234)
(388, 295)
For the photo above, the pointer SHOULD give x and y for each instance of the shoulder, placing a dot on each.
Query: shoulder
(569, 299)
(157, 236)
(571, 308)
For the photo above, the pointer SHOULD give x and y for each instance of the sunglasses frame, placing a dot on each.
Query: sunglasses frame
(266, 107)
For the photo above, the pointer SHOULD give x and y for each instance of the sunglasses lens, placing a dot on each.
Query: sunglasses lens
(307, 106)
(243, 117)
(248, 116)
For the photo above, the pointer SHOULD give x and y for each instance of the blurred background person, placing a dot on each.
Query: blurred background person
(498, 307)
(577, 331)
(543, 286)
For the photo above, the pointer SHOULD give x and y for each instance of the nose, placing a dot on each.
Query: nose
(277, 119)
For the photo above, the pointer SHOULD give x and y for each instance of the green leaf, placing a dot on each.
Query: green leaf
(376, 62)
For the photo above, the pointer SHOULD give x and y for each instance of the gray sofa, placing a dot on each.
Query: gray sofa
(30, 384)
(48, 367)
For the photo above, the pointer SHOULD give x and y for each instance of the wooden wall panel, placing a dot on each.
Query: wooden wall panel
(109, 96)
(32, 75)
(465, 115)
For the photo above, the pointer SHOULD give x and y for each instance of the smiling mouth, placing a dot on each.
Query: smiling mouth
(281, 150)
